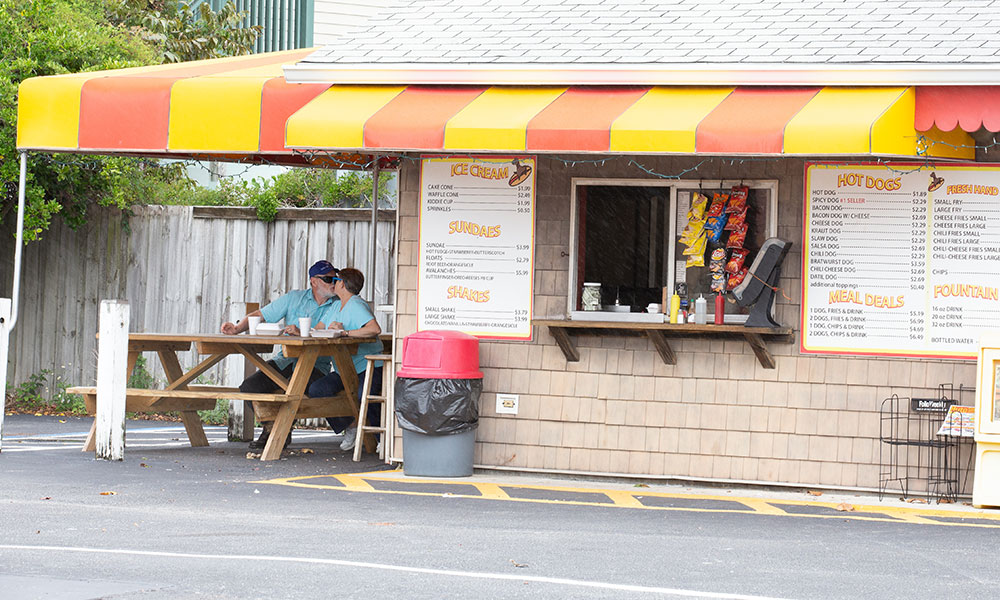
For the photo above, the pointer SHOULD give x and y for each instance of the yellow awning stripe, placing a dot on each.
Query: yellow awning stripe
(215, 114)
(498, 118)
(845, 121)
(336, 118)
(665, 119)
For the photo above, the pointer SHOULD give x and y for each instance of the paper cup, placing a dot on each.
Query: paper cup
(254, 322)
(305, 324)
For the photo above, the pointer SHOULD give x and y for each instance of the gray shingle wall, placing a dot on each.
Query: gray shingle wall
(603, 32)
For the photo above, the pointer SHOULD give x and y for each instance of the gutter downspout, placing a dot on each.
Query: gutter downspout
(8, 307)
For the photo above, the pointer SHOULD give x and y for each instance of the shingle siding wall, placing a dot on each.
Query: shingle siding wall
(716, 413)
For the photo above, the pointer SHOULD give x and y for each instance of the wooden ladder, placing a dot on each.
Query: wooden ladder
(367, 398)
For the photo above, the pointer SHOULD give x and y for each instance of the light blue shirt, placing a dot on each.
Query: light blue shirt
(354, 314)
(291, 307)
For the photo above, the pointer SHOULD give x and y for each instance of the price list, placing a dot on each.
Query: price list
(476, 245)
(902, 261)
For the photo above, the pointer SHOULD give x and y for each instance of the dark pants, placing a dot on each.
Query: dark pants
(259, 383)
(331, 385)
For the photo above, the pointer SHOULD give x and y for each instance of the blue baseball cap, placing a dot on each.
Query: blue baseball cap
(321, 267)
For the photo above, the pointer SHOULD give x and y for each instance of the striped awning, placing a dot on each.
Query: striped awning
(243, 108)
(674, 120)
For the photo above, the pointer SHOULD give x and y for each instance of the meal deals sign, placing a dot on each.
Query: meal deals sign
(902, 261)
(477, 228)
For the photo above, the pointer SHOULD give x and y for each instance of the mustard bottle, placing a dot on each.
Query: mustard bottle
(675, 306)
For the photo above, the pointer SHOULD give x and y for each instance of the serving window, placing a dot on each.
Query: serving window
(629, 240)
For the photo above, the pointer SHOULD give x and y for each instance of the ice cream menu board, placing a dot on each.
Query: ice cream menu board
(476, 245)
(902, 261)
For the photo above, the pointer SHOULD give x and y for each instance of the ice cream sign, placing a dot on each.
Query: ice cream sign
(476, 245)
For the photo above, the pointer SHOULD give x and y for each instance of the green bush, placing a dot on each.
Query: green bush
(45, 392)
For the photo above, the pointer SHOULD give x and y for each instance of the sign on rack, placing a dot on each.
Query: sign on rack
(902, 261)
(477, 227)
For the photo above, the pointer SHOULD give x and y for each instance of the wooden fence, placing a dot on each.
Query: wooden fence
(181, 268)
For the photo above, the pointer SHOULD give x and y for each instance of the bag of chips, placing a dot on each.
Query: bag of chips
(736, 260)
(699, 202)
(738, 199)
(694, 229)
(714, 227)
(736, 219)
(696, 247)
(737, 237)
(718, 260)
(718, 282)
(735, 280)
(718, 205)
(697, 260)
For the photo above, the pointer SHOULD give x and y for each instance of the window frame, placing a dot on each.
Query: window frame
(771, 185)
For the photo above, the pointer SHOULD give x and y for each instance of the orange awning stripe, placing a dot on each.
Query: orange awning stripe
(580, 119)
(416, 118)
(751, 121)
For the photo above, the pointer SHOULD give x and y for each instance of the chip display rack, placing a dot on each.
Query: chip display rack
(914, 453)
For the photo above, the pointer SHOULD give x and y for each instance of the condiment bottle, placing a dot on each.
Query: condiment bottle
(700, 310)
(720, 309)
(675, 307)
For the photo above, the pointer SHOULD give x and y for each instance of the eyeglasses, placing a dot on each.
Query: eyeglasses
(327, 278)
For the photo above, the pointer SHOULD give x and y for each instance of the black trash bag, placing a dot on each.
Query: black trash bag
(438, 406)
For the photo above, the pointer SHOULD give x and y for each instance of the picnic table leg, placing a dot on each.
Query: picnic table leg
(192, 422)
(286, 414)
(349, 377)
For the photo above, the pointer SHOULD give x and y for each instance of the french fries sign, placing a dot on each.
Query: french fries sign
(476, 245)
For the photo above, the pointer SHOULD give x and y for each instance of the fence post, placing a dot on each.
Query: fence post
(4, 345)
(112, 366)
(240, 412)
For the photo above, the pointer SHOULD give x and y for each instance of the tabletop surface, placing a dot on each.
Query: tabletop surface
(243, 338)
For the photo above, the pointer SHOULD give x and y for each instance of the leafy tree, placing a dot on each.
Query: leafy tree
(51, 37)
(182, 33)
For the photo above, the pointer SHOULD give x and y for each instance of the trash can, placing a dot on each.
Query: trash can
(437, 402)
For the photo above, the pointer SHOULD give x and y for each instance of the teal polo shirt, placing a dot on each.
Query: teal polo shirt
(293, 306)
(354, 314)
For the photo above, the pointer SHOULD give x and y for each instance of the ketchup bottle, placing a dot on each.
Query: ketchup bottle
(720, 309)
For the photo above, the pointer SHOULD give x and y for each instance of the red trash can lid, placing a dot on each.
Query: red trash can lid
(440, 355)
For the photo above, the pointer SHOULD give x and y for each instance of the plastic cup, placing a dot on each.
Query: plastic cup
(305, 324)
(254, 322)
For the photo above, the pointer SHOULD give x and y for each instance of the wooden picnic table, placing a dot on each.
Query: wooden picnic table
(290, 402)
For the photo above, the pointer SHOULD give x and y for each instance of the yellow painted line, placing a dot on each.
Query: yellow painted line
(627, 499)
(623, 499)
(492, 490)
(761, 506)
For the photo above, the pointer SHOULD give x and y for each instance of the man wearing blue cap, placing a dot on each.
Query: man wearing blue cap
(315, 303)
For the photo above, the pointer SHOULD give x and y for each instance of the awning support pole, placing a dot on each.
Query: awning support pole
(372, 235)
(8, 307)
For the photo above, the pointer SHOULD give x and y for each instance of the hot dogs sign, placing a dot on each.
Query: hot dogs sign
(476, 245)
(900, 262)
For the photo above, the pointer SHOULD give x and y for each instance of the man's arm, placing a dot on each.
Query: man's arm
(241, 326)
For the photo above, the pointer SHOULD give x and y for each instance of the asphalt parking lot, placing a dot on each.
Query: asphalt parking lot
(173, 521)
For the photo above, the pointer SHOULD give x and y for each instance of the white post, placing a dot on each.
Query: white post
(112, 363)
(238, 368)
(4, 343)
(8, 308)
(373, 237)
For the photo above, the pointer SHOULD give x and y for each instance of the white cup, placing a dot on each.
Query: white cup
(305, 324)
(254, 322)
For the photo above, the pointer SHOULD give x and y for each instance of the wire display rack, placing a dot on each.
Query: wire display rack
(913, 454)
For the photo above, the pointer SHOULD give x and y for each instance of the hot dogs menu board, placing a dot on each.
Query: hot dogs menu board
(476, 245)
(900, 261)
